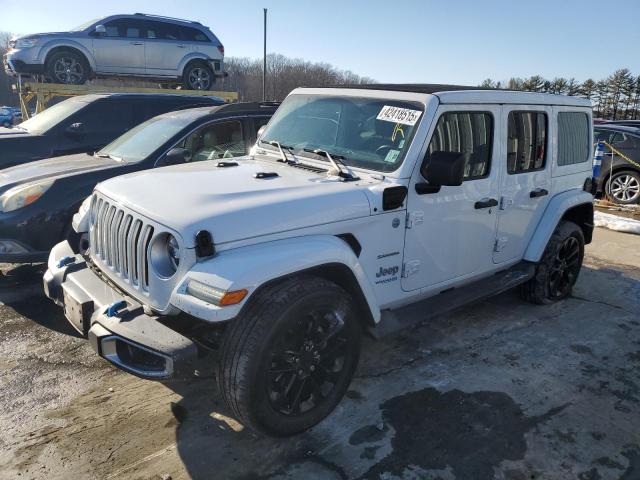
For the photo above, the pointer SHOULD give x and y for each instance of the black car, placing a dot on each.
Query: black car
(623, 186)
(38, 200)
(86, 124)
(623, 123)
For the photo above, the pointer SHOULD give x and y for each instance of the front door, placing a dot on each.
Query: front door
(526, 179)
(121, 48)
(451, 233)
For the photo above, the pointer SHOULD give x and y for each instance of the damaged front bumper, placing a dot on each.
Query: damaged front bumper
(116, 325)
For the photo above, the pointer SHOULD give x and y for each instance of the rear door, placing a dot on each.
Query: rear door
(165, 48)
(526, 179)
(121, 48)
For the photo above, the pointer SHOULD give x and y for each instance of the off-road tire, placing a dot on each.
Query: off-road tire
(81, 68)
(538, 290)
(244, 368)
(187, 81)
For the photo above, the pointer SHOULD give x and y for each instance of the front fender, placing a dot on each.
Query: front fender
(51, 44)
(253, 266)
(554, 212)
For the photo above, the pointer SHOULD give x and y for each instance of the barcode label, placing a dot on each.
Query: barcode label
(406, 116)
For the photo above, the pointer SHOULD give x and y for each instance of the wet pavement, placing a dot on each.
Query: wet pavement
(501, 389)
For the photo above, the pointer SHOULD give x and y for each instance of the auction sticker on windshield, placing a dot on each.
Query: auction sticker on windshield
(405, 116)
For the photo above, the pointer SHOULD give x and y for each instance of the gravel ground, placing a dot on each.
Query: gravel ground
(500, 389)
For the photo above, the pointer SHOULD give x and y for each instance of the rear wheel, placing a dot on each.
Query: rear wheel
(288, 359)
(198, 76)
(558, 270)
(67, 67)
(624, 187)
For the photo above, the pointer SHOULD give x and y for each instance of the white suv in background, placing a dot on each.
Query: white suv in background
(139, 45)
(359, 208)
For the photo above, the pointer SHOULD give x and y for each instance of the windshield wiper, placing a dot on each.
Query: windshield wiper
(106, 155)
(282, 148)
(337, 161)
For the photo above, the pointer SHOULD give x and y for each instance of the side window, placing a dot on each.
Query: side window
(124, 28)
(215, 141)
(573, 138)
(193, 35)
(601, 135)
(526, 141)
(106, 118)
(469, 133)
(259, 122)
(617, 138)
(163, 31)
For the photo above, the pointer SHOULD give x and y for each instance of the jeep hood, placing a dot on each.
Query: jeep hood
(234, 205)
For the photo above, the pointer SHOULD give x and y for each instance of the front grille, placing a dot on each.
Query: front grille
(120, 242)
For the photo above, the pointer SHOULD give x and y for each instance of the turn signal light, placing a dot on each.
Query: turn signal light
(233, 298)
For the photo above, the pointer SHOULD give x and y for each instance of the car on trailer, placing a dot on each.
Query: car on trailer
(359, 208)
(86, 123)
(138, 45)
(38, 200)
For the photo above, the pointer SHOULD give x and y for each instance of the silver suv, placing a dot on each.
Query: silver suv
(139, 45)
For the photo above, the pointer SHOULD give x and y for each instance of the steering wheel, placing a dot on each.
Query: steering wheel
(383, 149)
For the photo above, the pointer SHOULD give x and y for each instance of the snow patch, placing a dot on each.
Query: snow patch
(619, 224)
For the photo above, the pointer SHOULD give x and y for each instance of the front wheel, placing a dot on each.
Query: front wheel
(68, 67)
(559, 267)
(288, 359)
(624, 187)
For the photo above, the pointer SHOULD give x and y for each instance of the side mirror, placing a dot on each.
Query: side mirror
(445, 169)
(75, 131)
(100, 29)
(175, 156)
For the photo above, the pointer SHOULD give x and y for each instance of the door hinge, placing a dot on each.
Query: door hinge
(501, 242)
(413, 219)
(410, 267)
(505, 202)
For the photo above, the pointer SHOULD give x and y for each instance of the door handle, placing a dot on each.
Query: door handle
(486, 203)
(180, 46)
(136, 43)
(538, 192)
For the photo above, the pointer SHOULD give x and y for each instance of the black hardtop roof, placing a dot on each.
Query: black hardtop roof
(242, 108)
(620, 128)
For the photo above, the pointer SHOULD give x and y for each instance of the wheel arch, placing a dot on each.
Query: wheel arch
(69, 47)
(573, 205)
(190, 58)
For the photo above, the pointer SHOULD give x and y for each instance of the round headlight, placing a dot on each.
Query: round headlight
(173, 249)
(165, 255)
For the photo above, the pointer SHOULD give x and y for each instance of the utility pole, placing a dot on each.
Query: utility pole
(264, 60)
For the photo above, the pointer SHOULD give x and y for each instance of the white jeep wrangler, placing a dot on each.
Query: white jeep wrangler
(357, 207)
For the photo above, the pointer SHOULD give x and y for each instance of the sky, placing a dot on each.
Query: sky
(403, 41)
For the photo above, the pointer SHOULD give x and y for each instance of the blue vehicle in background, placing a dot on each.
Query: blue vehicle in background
(6, 116)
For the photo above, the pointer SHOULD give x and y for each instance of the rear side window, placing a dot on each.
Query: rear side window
(163, 31)
(193, 35)
(469, 133)
(526, 141)
(573, 138)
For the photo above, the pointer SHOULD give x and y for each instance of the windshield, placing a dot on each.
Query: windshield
(140, 142)
(52, 116)
(84, 25)
(372, 133)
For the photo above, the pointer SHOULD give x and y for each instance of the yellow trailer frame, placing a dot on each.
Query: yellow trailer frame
(45, 92)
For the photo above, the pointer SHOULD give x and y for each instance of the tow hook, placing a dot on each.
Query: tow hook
(64, 261)
(112, 310)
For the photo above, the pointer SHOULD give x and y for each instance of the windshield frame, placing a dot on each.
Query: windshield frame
(362, 166)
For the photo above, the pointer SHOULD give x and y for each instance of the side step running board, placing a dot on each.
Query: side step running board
(451, 299)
